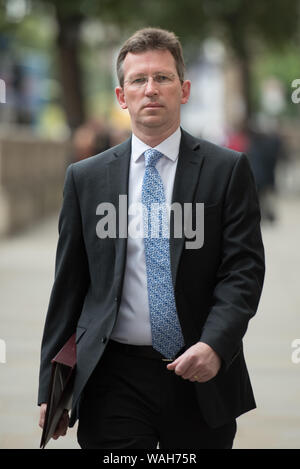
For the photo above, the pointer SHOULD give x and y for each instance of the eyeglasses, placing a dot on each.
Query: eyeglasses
(159, 79)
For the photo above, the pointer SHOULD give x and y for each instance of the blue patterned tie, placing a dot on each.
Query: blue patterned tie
(166, 331)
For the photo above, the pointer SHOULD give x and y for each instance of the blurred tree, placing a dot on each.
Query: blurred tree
(240, 23)
(70, 17)
(244, 24)
(68, 43)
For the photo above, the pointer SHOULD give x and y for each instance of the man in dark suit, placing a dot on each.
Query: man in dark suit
(159, 319)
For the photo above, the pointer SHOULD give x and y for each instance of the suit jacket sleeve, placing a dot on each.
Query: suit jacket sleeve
(240, 274)
(70, 284)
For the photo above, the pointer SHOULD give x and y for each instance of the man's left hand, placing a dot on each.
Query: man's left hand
(198, 363)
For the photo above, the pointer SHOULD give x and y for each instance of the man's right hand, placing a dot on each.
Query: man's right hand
(62, 425)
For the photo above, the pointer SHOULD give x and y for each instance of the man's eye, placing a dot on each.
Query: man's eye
(139, 81)
(161, 78)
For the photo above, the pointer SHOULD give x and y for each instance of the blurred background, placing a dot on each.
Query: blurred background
(57, 106)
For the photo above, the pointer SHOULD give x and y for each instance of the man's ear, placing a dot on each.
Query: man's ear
(121, 97)
(186, 90)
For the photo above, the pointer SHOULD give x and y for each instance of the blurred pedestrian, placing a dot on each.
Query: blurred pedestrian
(265, 150)
(89, 139)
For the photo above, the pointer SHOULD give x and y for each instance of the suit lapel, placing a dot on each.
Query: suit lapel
(186, 178)
(117, 177)
(118, 172)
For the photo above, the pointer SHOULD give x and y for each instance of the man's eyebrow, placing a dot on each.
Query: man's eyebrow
(136, 75)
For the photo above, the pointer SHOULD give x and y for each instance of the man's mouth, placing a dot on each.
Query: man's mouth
(153, 105)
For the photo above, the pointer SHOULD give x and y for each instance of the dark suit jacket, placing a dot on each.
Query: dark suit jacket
(217, 287)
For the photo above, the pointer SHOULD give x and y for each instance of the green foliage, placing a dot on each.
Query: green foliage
(241, 24)
(284, 65)
(274, 22)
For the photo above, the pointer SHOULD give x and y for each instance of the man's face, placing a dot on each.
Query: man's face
(152, 92)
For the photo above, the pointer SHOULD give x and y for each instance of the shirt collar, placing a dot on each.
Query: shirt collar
(169, 147)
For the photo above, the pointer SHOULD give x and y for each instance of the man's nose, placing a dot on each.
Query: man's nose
(151, 87)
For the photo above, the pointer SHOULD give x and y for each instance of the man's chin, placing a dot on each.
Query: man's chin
(152, 121)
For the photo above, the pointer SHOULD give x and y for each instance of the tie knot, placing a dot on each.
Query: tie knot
(152, 156)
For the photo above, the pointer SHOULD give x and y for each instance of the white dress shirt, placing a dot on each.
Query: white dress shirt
(133, 322)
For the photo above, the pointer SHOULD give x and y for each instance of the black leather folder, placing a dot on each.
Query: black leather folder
(60, 388)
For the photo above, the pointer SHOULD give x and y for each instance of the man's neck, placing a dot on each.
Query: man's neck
(152, 139)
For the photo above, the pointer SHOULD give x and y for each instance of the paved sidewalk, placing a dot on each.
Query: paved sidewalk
(275, 378)
(26, 275)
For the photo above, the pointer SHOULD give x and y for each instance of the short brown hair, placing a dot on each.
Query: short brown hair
(151, 39)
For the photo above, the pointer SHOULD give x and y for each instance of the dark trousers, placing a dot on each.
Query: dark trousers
(133, 401)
